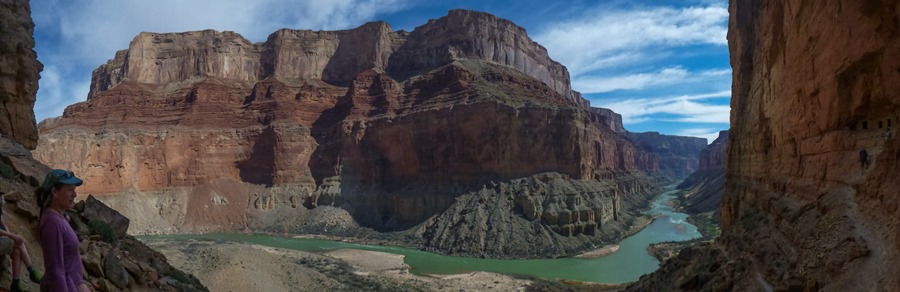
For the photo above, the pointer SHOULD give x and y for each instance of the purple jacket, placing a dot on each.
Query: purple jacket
(62, 259)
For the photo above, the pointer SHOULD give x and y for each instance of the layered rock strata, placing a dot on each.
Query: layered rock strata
(815, 83)
(558, 209)
(677, 155)
(704, 188)
(204, 131)
(609, 118)
(19, 69)
(113, 261)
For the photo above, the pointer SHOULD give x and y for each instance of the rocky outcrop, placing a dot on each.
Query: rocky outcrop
(112, 259)
(609, 118)
(466, 34)
(393, 128)
(96, 210)
(677, 155)
(704, 188)
(815, 83)
(559, 210)
(19, 69)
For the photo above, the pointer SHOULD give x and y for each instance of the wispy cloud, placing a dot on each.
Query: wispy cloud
(82, 34)
(665, 76)
(686, 108)
(56, 92)
(646, 51)
(591, 41)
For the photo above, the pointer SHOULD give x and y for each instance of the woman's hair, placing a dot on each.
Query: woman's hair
(42, 197)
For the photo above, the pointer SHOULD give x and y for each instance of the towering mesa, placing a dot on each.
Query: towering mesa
(815, 83)
(438, 131)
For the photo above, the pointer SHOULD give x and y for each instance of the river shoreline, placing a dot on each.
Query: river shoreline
(396, 266)
(231, 266)
(639, 224)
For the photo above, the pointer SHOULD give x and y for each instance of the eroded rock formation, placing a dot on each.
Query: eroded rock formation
(204, 131)
(19, 70)
(704, 188)
(815, 82)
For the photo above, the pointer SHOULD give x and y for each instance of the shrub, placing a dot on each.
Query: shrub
(103, 229)
(7, 171)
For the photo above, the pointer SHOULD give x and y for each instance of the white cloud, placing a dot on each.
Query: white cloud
(665, 76)
(688, 108)
(89, 32)
(56, 93)
(586, 44)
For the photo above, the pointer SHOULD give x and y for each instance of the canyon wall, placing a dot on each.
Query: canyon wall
(703, 189)
(19, 69)
(815, 84)
(678, 156)
(609, 118)
(321, 131)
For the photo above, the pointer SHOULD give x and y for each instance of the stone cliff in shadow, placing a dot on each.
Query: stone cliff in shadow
(815, 84)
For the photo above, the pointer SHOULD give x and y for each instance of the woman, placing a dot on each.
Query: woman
(62, 260)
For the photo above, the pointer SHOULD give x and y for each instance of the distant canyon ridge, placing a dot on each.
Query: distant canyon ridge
(461, 136)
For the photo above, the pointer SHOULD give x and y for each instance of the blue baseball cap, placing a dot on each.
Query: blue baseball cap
(59, 176)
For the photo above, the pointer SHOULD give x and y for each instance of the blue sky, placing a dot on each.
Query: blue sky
(662, 64)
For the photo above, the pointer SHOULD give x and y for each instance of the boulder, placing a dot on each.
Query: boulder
(114, 270)
(93, 260)
(95, 210)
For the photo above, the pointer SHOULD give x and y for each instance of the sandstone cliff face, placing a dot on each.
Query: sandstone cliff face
(19, 70)
(608, 118)
(396, 129)
(289, 56)
(677, 155)
(703, 189)
(815, 82)
(332, 56)
(472, 35)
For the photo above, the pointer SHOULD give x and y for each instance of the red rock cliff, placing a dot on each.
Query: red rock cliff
(815, 82)
(19, 70)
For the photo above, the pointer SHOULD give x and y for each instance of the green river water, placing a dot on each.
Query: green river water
(626, 265)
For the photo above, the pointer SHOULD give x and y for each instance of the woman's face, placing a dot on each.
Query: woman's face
(63, 197)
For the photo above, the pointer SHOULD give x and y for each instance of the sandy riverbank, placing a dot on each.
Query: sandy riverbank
(639, 224)
(227, 266)
(600, 252)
